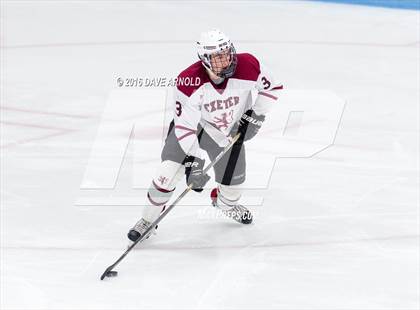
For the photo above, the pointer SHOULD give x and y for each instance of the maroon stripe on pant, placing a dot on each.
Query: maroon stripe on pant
(154, 202)
(160, 189)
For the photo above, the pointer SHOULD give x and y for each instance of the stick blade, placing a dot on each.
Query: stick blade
(109, 273)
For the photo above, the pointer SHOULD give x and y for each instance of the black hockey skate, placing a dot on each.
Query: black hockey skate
(138, 230)
(236, 212)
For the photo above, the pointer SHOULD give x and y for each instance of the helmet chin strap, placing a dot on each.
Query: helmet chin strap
(215, 78)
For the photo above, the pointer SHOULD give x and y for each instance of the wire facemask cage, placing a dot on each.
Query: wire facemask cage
(215, 42)
(230, 70)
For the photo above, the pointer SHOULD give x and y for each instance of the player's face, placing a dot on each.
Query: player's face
(220, 61)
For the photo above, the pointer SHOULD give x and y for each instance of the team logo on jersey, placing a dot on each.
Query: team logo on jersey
(221, 104)
(224, 121)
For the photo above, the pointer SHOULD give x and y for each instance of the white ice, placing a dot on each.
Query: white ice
(338, 230)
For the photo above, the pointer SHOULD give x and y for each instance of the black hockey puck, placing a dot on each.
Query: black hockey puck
(112, 273)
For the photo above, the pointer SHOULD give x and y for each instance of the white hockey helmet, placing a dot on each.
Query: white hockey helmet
(214, 42)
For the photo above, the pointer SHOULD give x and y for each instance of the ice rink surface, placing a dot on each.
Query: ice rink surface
(337, 230)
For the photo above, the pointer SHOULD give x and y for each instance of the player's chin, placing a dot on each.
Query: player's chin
(220, 72)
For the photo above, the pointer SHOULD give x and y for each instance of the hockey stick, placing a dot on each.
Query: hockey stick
(108, 271)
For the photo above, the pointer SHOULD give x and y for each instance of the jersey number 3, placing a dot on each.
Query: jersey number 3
(266, 82)
(178, 108)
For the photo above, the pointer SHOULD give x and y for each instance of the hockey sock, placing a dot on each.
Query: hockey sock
(228, 196)
(157, 197)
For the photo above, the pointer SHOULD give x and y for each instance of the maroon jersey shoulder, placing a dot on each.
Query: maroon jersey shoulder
(248, 67)
(192, 78)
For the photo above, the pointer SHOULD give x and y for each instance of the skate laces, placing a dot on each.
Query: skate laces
(239, 209)
(141, 226)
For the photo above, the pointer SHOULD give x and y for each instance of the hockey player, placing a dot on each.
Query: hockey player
(206, 116)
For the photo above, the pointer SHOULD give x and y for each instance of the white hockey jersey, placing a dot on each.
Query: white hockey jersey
(218, 107)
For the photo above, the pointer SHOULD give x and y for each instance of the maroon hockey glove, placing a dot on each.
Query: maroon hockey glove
(194, 173)
(248, 126)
